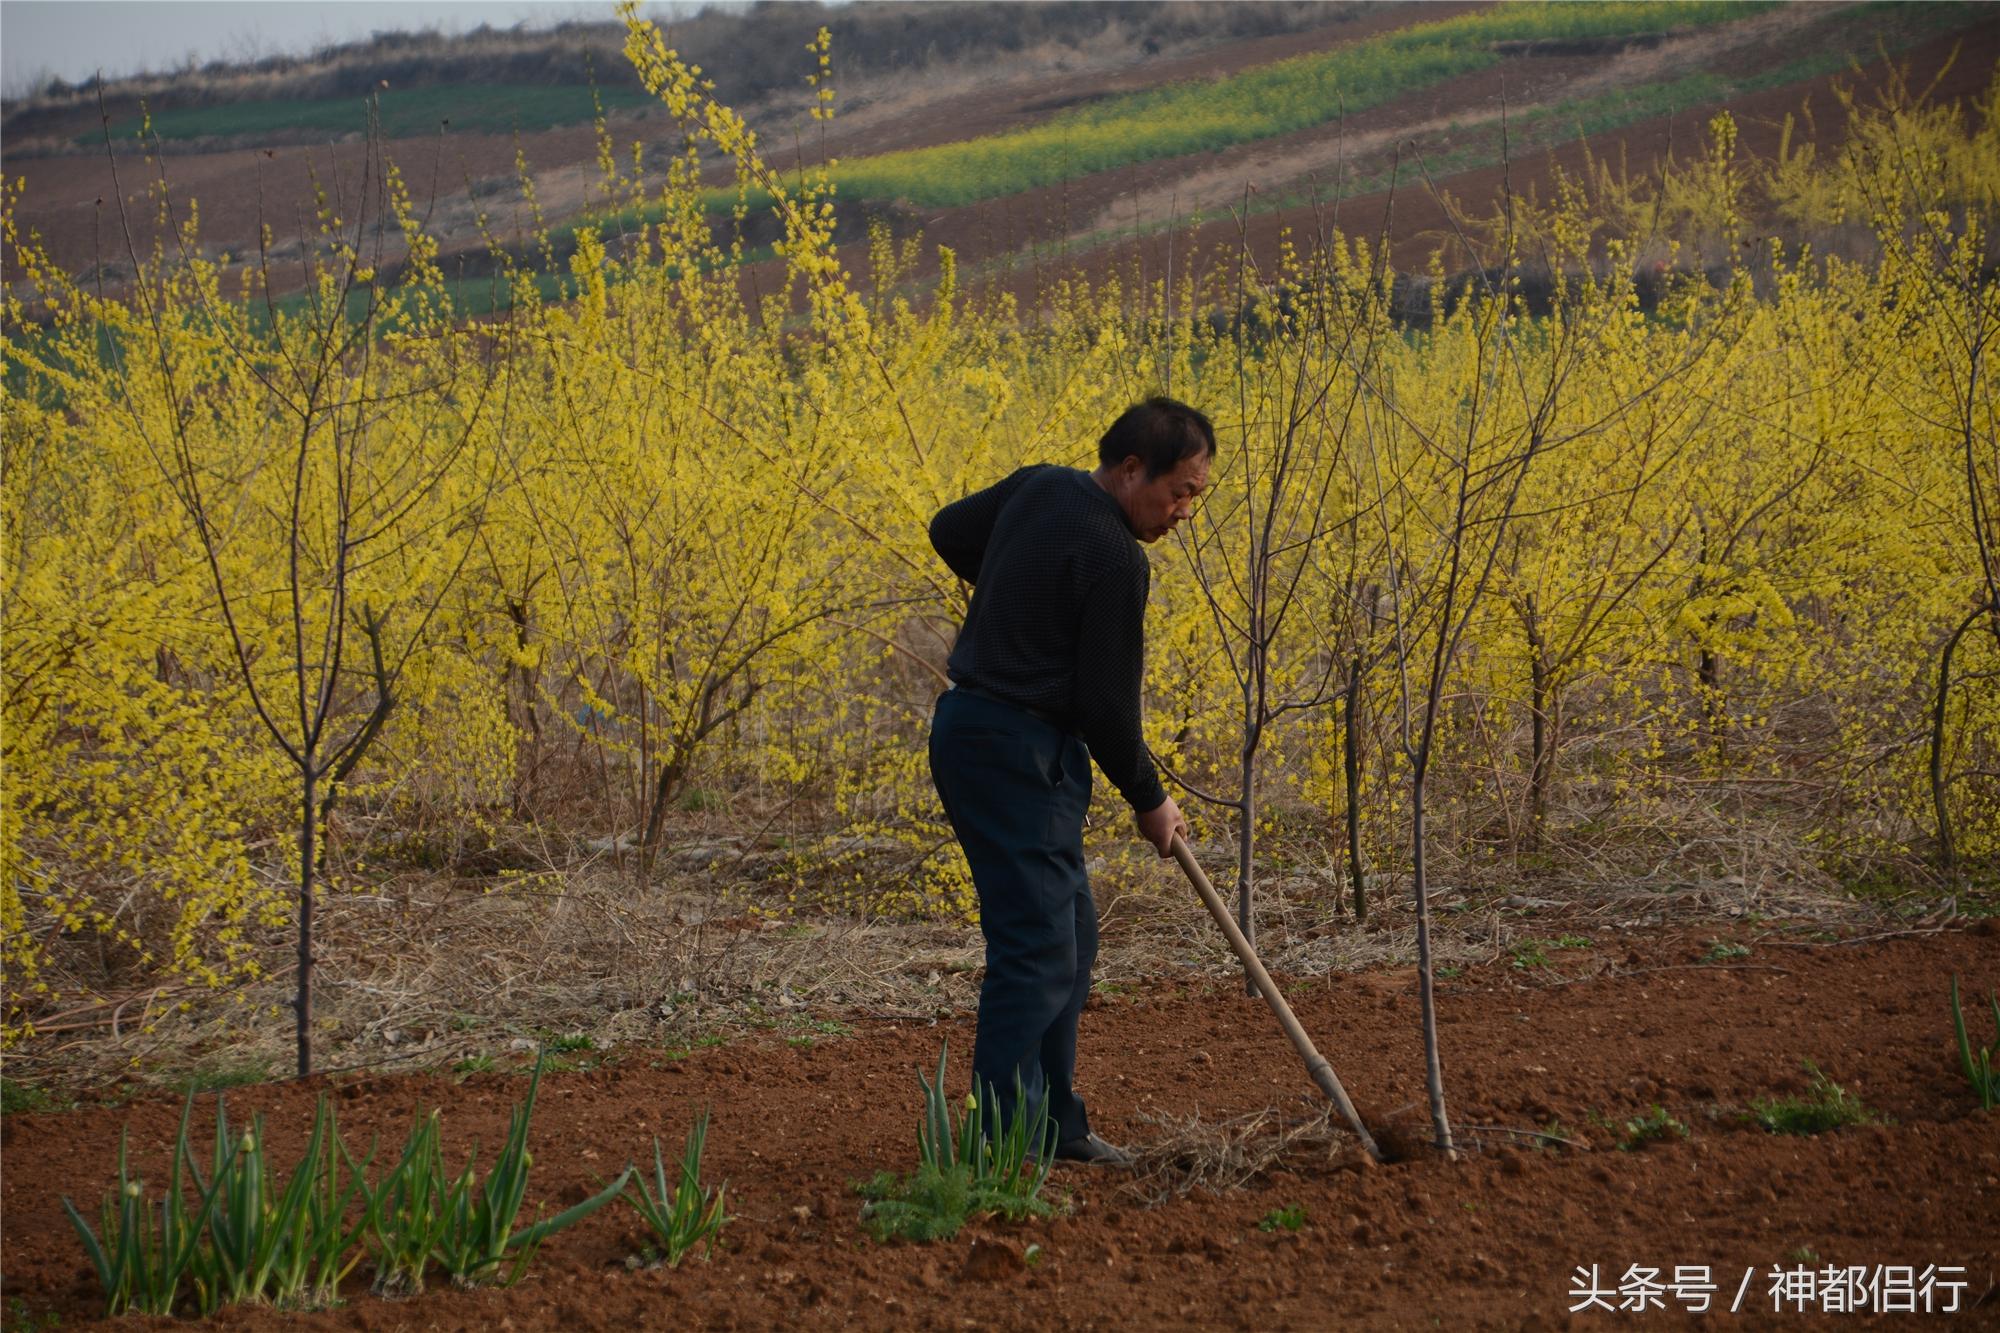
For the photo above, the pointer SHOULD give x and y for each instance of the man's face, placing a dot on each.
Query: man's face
(1154, 506)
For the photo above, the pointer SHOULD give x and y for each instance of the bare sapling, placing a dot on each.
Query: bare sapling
(339, 491)
(1447, 472)
(1444, 486)
(1260, 549)
(1365, 652)
(1447, 464)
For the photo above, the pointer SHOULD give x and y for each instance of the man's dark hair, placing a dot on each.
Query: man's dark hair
(1159, 432)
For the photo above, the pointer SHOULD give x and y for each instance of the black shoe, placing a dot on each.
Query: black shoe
(1092, 1150)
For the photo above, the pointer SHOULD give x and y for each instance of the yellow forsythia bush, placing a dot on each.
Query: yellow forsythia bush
(649, 534)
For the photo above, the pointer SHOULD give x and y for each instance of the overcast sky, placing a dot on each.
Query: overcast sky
(73, 39)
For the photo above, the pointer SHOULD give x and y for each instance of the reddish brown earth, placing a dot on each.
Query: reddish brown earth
(1029, 240)
(1961, 65)
(1491, 1240)
(1413, 218)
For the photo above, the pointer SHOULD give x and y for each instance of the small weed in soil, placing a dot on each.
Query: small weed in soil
(1980, 1065)
(571, 1041)
(473, 1064)
(25, 1320)
(1722, 951)
(1651, 1127)
(1289, 1218)
(1535, 953)
(962, 1172)
(1555, 1137)
(689, 1214)
(829, 1027)
(1530, 954)
(16, 1097)
(1826, 1106)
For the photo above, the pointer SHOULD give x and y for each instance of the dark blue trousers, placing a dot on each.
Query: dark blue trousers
(1016, 789)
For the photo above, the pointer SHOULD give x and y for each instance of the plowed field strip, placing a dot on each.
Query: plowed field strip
(1492, 1241)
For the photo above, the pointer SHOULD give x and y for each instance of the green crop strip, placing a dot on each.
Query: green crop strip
(415, 111)
(1259, 103)
(1898, 27)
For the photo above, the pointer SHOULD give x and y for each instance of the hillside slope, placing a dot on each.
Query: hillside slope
(1635, 96)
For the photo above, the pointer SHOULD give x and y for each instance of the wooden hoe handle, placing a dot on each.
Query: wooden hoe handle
(1316, 1065)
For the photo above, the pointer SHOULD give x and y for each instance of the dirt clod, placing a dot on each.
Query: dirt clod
(991, 1261)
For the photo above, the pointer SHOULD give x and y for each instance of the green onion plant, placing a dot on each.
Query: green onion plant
(232, 1236)
(690, 1214)
(1981, 1065)
(964, 1170)
(291, 1248)
(419, 1215)
(404, 1221)
(141, 1264)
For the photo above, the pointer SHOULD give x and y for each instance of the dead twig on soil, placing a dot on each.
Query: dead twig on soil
(1613, 974)
(1859, 939)
(1528, 1134)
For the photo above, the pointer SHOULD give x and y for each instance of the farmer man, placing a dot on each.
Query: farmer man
(1049, 662)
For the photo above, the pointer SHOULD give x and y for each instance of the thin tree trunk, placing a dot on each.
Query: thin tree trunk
(1255, 664)
(1947, 847)
(1246, 832)
(308, 820)
(524, 783)
(1538, 760)
(1433, 1065)
(1709, 672)
(671, 775)
(1357, 870)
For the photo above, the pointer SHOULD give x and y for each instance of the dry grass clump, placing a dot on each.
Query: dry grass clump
(432, 969)
(1191, 1153)
(468, 949)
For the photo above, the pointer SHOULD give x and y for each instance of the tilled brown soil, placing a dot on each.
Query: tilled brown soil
(1412, 219)
(1599, 1037)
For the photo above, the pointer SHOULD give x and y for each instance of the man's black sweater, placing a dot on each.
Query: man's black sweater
(1057, 622)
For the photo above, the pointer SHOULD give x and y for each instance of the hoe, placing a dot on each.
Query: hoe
(1316, 1065)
